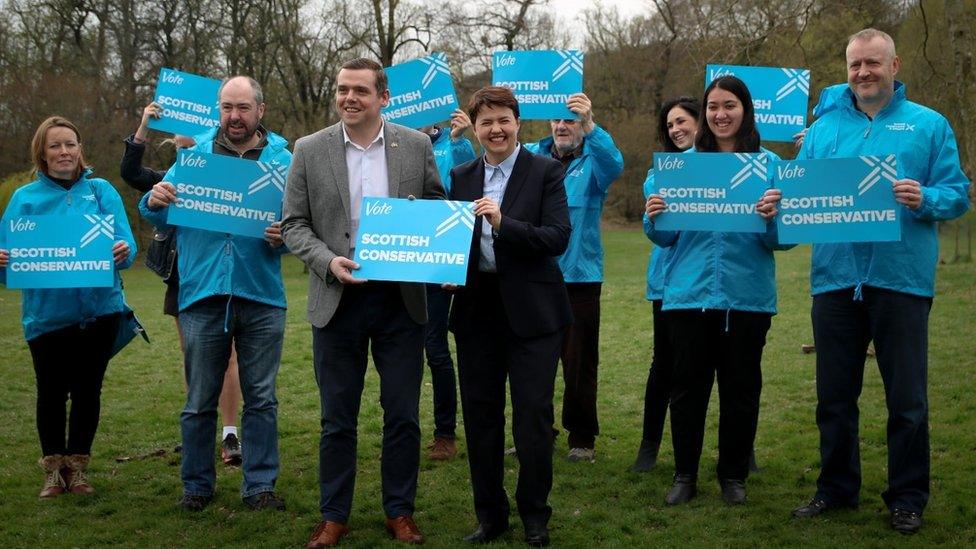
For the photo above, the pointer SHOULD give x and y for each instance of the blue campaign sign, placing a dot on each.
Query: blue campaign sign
(837, 200)
(189, 103)
(779, 97)
(711, 191)
(226, 194)
(542, 81)
(414, 240)
(421, 92)
(60, 251)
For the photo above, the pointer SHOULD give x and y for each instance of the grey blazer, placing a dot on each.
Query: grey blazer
(315, 220)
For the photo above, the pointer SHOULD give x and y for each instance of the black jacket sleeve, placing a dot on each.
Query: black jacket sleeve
(139, 178)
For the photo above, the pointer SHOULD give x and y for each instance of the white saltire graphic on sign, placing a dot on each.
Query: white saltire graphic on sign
(572, 60)
(798, 80)
(273, 175)
(463, 213)
(754, 165)
(879, 168)
(101, 226)
(436, 63)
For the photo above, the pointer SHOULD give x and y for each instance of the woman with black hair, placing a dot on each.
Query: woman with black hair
(676, 129)
(720, 295)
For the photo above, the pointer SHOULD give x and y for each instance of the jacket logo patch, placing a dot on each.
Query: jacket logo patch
(575, 173)
(89, 197)
(900, 127)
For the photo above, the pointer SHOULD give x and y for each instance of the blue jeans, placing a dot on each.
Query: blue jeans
(210, 327)
(440, 363)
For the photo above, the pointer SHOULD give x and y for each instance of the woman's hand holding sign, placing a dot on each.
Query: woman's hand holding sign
(766, 206)
(655, 206)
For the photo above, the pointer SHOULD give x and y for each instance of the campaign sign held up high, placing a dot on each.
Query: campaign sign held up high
(226, 194)
(189, 103)
(837, 200)
(779, 97)
(421, 92)
(414, 240)
(542, 81)
(60, 251)
(711, 191)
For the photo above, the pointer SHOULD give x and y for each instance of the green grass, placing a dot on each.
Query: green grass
(594, 504)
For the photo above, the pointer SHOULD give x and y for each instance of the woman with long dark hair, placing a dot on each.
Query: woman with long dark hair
(720, 295)
(676, 129)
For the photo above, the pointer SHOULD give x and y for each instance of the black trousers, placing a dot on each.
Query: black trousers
(729, 345)
(487, 357)
(657, 394)
(370, 316)
(70, 363)
(842, 328)
(581, 357)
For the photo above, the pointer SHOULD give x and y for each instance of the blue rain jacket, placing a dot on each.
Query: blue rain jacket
(212, 263)
(925, 148)
(449, 153)
(660, 256)
(716, 270)
(46, 310)
(587, 180)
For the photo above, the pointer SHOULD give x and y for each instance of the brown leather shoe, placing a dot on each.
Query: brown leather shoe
(327, 534)
(404, 529)
(442, 449)
(73, 472)
(53, 483)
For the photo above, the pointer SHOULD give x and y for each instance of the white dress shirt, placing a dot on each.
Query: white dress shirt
(367, 177)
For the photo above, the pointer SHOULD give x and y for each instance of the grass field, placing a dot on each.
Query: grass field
(598, 503)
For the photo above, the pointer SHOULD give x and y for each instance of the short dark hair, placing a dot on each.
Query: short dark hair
(687, 103)
(364, 63)
(747, 138)
(492, 96)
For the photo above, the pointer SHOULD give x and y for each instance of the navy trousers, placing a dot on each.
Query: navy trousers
(842, 328)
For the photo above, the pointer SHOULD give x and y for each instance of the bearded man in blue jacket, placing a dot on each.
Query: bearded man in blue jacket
(881, 291)
(231, 293)
(592, 162)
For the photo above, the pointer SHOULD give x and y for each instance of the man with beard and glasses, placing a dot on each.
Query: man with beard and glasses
(231, 293)
(592, 162)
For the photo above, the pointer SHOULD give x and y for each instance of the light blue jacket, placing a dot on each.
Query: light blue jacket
(449, 153)
(717, 270)
(660, 256)
(46, 310)
(925, 148)
(212, 263)
(587, 180)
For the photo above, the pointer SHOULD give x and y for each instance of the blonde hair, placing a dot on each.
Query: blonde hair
(39, 144)
(870, 34)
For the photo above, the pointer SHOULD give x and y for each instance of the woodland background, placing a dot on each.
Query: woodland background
(96, 61)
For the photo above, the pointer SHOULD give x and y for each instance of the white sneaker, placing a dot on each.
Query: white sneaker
(581, 454)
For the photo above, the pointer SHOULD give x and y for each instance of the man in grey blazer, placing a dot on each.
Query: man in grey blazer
(331, 171)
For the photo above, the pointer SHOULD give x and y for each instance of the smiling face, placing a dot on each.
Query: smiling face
(497, 130)
(240, 113)
(62, 152)
(566, 135)
(871, 69)
(682, 127)
(723, 112)
(357, 101)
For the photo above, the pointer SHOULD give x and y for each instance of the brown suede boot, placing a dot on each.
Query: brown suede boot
(73, 472)
(53, 483)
